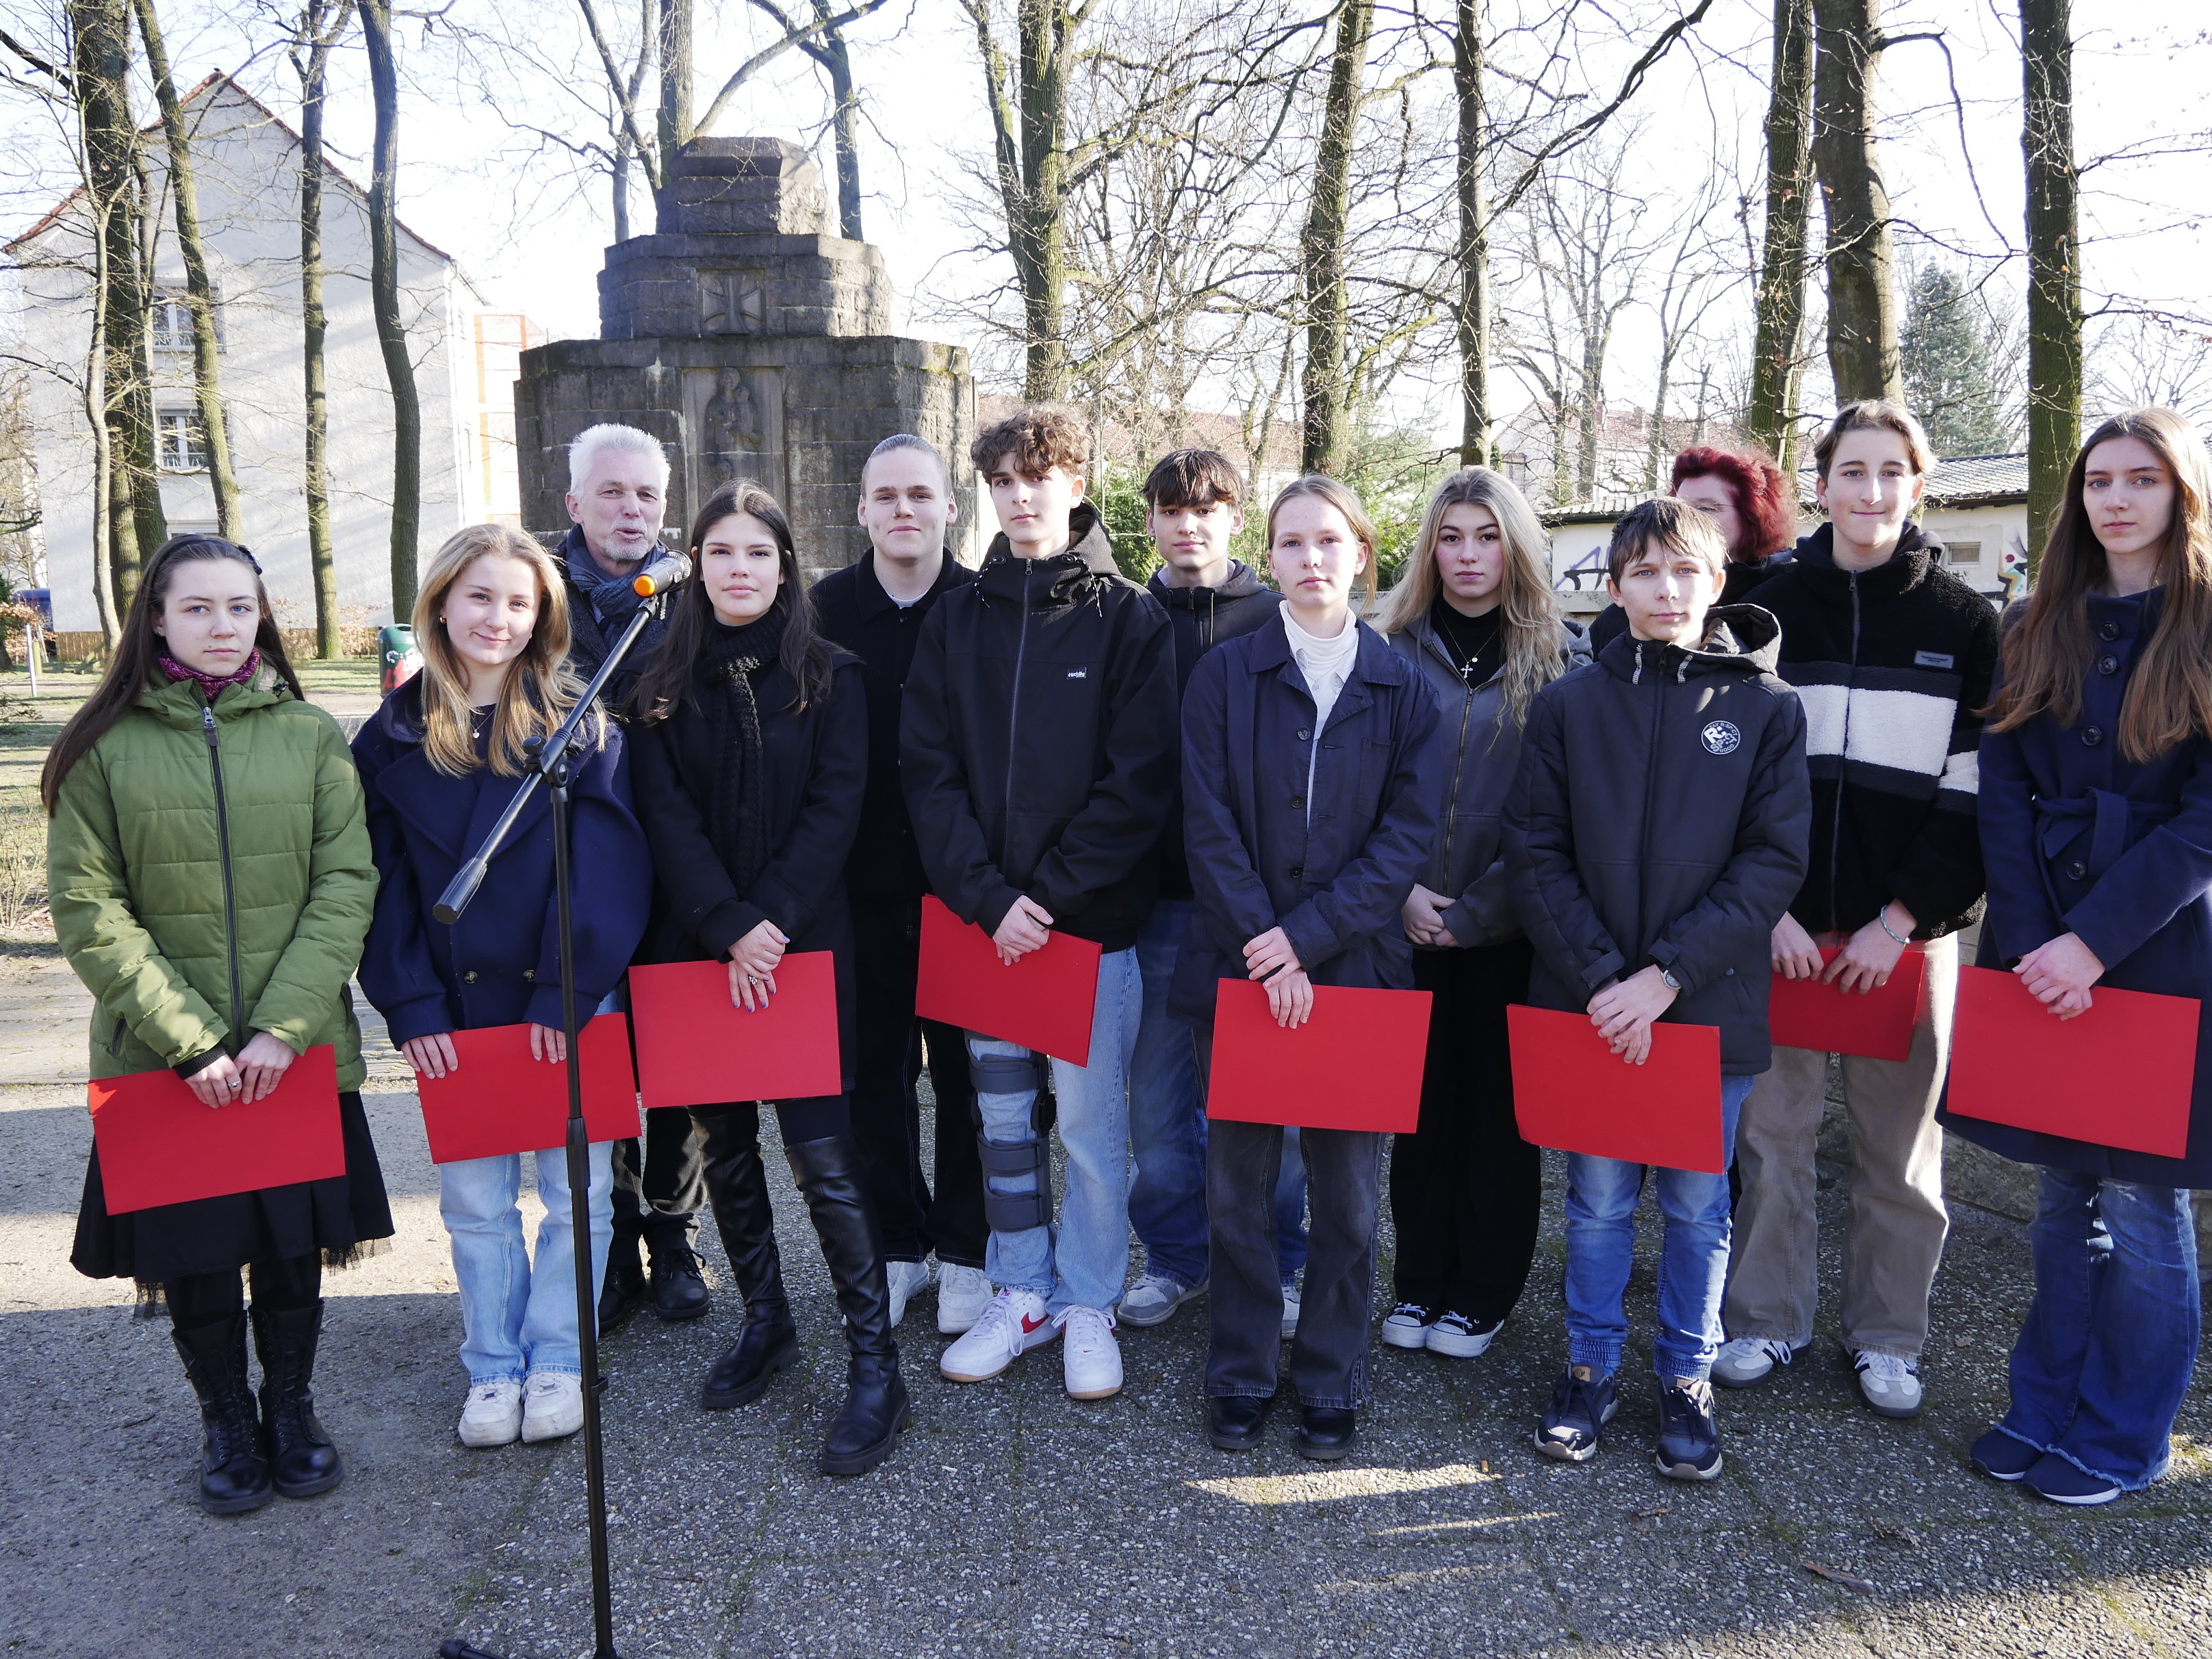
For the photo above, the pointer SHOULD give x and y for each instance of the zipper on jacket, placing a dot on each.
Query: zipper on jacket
(1650, 791)
(1836, 820)
(1014, 702)
(1459, 771)
(229, 890)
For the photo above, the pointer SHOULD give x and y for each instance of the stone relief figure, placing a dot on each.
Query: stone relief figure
(733, 423)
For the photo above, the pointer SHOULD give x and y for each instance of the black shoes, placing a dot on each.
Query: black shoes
(876, 1411)
(679, 1287)
(302, 1461)
(1326, 1433)
(233, 1468)
(768, 1343)
(1236, 1422)
(624, 1286)
(1689, 1438)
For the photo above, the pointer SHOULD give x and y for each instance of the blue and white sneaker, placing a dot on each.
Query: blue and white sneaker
(1574, 1426)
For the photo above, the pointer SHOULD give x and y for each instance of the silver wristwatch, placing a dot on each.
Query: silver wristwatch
(1667, 978)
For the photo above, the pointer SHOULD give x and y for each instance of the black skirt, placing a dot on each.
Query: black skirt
(337, 1217)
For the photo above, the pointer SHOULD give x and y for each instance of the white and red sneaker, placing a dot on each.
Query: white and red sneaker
(1012, 1322)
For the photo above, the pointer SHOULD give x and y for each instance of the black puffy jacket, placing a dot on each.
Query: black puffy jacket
(1037, 740)
(1663, 814)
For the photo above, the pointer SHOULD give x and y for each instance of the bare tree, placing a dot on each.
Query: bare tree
(384, 301)
(1777, 350)
(2054, 260)
(1862, 349)
(834, 58)
(1695, 279)
(321, 23)
(1323, 387)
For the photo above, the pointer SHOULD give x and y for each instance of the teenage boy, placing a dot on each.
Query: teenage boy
(1894, 656)
(1037, 749)
(1193, 508)
(617, 493)
(875, 608)
(1656, 830)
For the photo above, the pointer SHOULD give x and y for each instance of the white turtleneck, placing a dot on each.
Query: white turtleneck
(1325, 663)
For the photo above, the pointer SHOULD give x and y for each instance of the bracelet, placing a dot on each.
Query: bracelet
(1882, 916)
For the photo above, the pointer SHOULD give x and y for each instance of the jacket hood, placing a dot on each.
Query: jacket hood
(1088, 555)
(1739, 639)
(399, 716)
(1901, 572)
(1242, 584)
(178, 702)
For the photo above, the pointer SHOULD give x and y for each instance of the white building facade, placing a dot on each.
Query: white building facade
(247, 166)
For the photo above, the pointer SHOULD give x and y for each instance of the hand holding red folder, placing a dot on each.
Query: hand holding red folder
(694, 1049)
(1043, 1001)
(497, 1099)
(1355, 1064)
(1814, 1014)
(158, 1145)
(2121, 1075)
(1571, 1091)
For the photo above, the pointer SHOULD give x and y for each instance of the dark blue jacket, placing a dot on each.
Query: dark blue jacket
(2077, 838)
(500, 965)
(1333, 873)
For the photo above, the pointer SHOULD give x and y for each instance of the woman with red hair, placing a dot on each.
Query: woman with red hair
(1749, 502)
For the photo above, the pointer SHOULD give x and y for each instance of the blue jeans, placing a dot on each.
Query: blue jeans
(1693, 1256)
(1167, 1113)
(2104, 1360)
(518, 1317)
(1081, 1261)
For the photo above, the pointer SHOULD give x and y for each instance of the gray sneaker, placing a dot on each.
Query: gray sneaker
(1749, 1360)
(1890, 1383)
(1154, 1297)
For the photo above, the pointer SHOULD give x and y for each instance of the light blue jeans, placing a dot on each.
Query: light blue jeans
(518, 1317)
(1693, 1256)
(1081, 1260)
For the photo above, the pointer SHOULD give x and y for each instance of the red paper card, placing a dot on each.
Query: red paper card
(1805, 1013)
(158, 1145)
(1572, 1092)
(695, 1048)
(1044, 1001)
(501, 1101)
(1357, 1064)
(2120, 1075)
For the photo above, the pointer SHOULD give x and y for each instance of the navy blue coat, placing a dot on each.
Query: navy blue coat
(500, 965)
(2079, 839)
(1334, 874)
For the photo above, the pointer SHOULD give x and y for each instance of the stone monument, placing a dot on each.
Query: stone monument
(753, 345)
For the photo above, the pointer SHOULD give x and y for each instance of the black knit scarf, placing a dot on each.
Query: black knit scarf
(736, 660)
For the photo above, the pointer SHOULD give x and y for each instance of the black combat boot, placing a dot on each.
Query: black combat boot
(234, 1471)
(867, 1430)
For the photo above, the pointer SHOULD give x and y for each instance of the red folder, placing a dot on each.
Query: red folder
(1044, 1001)
(502, 1101)
(1572, 1092)
(158, 1145)
(1805, 1013)
(695, 1047)
(1357, 1064)
(2121, 1075)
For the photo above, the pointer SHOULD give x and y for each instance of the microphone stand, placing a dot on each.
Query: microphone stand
(549, 758)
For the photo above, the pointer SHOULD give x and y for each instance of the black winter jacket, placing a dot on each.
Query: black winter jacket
(1891, 664)
(815, 763)
(1037, 740)
(1662, 815)
(1203, 618)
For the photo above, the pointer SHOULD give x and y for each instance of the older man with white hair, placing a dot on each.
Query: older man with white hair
(617, 493)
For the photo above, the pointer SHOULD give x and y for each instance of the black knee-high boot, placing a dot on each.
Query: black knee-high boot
(867, 1430)
(301, 1455)
(234, 1470)
(737, 1188)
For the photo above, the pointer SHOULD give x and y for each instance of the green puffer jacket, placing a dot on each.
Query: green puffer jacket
(135, 871)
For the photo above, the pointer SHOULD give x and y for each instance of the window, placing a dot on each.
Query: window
(171, 323)
(1965, 552)
(180, 446)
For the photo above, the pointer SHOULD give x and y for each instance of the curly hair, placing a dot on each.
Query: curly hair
(1035, 437)
(1764, 499)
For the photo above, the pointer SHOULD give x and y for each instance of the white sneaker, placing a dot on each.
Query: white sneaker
(1890, 1383)
(1407, 1326)
(1153, 1299)
(1289, 1308)
(1089, 1357)
(1012, 1323)
(552, 1406)
(1457, 1337)
(493, 1415)
(1750, 1360)
(962, 1293)
(903, 1278)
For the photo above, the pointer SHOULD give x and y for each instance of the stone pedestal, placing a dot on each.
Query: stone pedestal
(753, 346)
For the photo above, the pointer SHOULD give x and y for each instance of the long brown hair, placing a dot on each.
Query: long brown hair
(804, 654)
(540, 688)
(1527, 608)
(132, 670)
(2169, 697)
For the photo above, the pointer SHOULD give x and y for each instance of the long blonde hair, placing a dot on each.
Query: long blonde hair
(1529, 609)
(540, 688)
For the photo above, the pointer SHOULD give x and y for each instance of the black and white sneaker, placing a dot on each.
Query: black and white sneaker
(1406, 1326)
(1457, 1337)
(1689, 1436)
(1574, 1426)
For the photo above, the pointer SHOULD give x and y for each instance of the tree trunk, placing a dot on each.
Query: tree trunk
(1321, 246)
(383, 295)
(103, 471)
(626, 152)
(1031, 165)
(1476, 422)
(675, 118)
(829, 50)
(1780, 334)
(207, 384)
(2054, 262)
(1862, 354)
(321, 28)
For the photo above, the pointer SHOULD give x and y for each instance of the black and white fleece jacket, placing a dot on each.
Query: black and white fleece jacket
(1892, 665)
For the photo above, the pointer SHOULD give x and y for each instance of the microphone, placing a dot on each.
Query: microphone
(661, 575)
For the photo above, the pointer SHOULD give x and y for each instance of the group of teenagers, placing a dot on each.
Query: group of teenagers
(1769, 756)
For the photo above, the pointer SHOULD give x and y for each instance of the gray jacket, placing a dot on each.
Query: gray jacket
(1482, 747)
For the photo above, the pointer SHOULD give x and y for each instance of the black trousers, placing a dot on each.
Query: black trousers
(1466, 1191)
(660, 1182)
(894, 1045)
(295, 1281)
